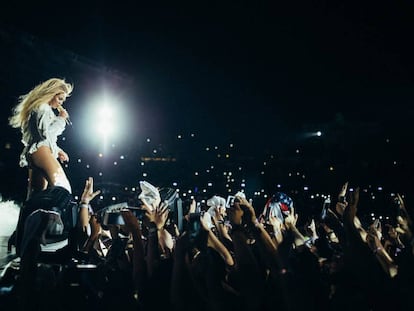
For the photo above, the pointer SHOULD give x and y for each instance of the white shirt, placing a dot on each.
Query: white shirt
(42, 130)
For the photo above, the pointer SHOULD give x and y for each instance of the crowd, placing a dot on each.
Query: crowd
(152, 254)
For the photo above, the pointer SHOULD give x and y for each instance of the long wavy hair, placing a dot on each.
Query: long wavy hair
(40, 94)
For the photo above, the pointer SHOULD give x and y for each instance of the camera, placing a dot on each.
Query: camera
(111, 215)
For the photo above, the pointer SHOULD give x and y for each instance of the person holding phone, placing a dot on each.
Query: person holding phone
(40, 127)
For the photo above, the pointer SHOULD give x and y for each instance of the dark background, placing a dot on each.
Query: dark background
(260, 75)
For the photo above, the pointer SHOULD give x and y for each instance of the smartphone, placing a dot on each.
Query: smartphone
(377, 224)
(325, 207)
(230, 201)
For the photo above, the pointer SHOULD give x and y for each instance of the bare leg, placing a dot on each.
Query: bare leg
(46, 169)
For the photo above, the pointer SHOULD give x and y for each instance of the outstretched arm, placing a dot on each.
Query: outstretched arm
(85, 211)
(138, 258)
(215, 243)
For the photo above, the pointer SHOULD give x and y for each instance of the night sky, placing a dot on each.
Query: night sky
(261, 74)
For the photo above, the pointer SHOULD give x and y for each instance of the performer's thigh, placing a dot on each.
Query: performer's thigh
(37, 179)
(44, 160)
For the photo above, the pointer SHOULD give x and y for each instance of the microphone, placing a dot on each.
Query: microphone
(67, 120)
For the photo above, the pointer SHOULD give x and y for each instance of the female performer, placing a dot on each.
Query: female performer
(40, 126)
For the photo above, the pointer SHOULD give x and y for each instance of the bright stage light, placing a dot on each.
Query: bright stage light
(106, 121)
(105, 118)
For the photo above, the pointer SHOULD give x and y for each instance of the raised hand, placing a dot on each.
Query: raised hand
(235, 214)
(88, 194)
(342, 203)
(278, 228)
(291, 219)
(249, 208)
(159, 215)
(351, 208)
(131, 222)
(402, 211)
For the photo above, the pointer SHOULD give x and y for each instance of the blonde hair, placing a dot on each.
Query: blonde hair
(42, 93)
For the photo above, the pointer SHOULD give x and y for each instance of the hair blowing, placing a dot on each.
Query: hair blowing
(42, 93)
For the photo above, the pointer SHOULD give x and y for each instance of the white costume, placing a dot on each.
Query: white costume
(43, 129)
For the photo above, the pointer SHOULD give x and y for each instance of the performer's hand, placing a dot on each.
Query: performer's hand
(63, 156)
(62, 112)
